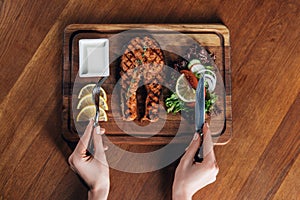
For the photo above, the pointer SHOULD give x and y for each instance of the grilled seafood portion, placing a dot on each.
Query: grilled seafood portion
(142, 62)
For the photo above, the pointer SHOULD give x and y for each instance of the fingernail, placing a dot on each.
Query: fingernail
(196, 136)
(98, 130)
(187, 148)
(102, 130)
(207, 125)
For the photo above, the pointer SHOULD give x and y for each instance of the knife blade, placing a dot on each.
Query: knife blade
(200, 116)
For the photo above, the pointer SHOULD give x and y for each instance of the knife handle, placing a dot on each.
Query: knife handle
(199, 154)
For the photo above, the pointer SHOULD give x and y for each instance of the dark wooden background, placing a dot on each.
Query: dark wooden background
(262, 160)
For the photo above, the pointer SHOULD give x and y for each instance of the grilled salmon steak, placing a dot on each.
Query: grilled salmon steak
(141, 64)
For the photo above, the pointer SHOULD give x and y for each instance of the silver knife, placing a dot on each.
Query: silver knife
(200, 117)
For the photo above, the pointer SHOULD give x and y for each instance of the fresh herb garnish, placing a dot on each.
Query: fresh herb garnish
(210, 100)
(174, 104)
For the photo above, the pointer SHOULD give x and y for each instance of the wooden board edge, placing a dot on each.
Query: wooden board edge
(220, 29)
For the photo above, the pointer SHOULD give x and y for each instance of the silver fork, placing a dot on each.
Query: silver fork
(95, 95)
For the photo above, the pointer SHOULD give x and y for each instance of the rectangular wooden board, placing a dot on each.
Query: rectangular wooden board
(214, 37)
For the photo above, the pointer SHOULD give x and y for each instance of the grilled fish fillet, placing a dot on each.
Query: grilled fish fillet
(141, 64)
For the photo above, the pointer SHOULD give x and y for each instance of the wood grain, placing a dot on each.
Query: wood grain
(260, 162)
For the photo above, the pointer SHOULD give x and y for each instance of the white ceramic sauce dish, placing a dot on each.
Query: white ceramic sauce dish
(93, 57)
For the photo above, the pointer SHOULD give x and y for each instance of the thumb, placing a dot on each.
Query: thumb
(188, 157)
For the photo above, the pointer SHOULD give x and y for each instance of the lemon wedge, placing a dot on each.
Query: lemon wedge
(88, 89)
(89, 112)
(184, 90)
(88, 100)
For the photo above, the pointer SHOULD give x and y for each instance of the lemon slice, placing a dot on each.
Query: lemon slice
(184, 90)
(88, 89)
(89, 112)
(87, 100)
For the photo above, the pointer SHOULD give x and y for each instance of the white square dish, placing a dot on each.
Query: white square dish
(93, 57)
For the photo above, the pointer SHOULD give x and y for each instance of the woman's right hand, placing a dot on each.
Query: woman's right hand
(191, 176)
(93, 169)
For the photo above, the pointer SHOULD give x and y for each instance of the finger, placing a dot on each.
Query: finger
(98, 144)
(194, 145)
(102, 131)
(85, 138)
(210, 158)
(207, 140)
(105, 147)
(204, 130)
(188, 157)
(210, 163)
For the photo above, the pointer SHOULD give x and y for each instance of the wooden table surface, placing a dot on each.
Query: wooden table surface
(261, 161)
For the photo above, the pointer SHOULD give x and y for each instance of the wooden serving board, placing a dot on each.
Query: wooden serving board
(214, 37)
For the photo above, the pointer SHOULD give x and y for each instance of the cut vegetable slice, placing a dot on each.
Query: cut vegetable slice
(193, 62)
(184, 90)
(87, 100)
(211, 82)
(89, 112)
(88, 89)
(210, 78)
(197, 67)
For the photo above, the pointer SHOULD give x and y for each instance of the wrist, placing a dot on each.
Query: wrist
(97, 194)
(181, 194)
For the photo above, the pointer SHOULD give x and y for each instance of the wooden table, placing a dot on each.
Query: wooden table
(261, 161)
